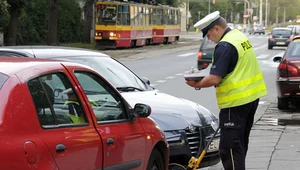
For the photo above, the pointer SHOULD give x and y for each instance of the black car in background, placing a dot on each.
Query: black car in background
(206, 51)
(280, 36)
(187, 126)
(257, 29)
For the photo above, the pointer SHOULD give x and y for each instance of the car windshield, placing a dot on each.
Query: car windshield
(294, 50)
(3, 78)
(282, 32)
(117, 74)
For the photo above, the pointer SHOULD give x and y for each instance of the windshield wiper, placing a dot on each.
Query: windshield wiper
(89, 92)
(128, 88)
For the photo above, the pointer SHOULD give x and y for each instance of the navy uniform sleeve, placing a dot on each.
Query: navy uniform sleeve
(225, 59)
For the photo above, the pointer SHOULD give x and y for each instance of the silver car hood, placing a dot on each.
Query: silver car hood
(169, 112)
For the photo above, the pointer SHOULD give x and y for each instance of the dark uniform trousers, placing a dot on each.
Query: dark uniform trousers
(235, 125)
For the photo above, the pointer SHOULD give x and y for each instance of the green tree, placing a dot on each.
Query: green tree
(52, 22)
(15, 7)
(4, 15)
(88, 20)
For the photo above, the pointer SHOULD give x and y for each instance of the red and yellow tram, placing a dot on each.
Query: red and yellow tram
(127, 24)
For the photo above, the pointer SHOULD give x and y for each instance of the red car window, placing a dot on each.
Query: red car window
(105, 103)
(55, 101)
(3, 78)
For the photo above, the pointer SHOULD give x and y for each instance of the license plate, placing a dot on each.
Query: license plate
(214, 144)
(280, 43)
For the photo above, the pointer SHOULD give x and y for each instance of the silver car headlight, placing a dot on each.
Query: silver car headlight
(214, 124)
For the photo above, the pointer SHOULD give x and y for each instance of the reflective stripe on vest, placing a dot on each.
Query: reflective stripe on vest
(245, 83)
(75, 117)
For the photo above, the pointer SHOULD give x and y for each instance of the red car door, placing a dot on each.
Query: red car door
(75, 145)
(124, 140)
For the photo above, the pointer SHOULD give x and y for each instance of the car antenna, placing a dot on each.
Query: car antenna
(32, 52)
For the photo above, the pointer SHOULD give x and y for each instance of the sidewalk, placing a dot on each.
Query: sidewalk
(273, 146)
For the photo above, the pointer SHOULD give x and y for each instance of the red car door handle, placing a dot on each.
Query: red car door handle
(110, 141)
(60, 147)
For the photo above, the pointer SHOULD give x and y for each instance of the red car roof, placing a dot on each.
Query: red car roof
(14, 65)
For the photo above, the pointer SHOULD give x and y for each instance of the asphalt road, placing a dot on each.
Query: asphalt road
(165, 70)
(272, 146)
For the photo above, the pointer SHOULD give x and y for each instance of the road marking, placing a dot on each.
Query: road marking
(261, 102)
(263, 46)
(161, 81)
(262, 56)
(152, 85)
(170, 77)
(179, 74)
(186, 54)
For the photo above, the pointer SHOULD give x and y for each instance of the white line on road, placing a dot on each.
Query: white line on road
(186, 54)
(179, 74)
(259, 47)
(261, 102)
(170, 77)
(262, 56)
(161, 81)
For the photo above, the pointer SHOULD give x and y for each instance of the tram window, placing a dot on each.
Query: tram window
(107, 14)
(123, 15)
(140, 17)
(143, 16)
(154, 16)
(150, 16)
(166, 16)
(160, 18)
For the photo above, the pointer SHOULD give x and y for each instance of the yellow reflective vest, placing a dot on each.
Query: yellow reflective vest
(246, 82)
(75, 116)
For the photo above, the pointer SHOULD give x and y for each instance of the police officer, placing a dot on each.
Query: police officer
(239, 84)
(74, 109)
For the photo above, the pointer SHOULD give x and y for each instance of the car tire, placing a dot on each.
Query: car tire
(283, 103)
(270, 46)
(156, 161)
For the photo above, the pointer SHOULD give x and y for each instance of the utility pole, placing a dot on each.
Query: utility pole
(260, 12)
(209, 6)
(277, 8)
(187, 15)
(266, 14)
(284, 13)
(244, 16)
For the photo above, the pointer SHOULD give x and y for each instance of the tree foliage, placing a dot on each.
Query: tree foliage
(32, 25)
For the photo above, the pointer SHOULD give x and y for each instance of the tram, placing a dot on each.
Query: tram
(129, 24)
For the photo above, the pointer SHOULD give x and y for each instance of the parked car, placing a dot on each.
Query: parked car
(288, 75)
(185, 139)
(280, 36)
(295, 30)
(38, 131)
(206, 51)
(230, 25)
(257, 29)
(238, 26)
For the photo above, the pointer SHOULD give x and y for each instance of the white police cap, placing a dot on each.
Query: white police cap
(207, 22)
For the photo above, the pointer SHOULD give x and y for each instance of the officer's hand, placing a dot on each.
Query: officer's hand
(190, 83)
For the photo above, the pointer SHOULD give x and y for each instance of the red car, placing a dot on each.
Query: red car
(288, 74)
(60, 115)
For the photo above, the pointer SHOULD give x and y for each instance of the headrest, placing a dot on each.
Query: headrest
(39, 95)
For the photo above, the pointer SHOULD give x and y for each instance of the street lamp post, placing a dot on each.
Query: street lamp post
(209, 6)
(266, 14)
